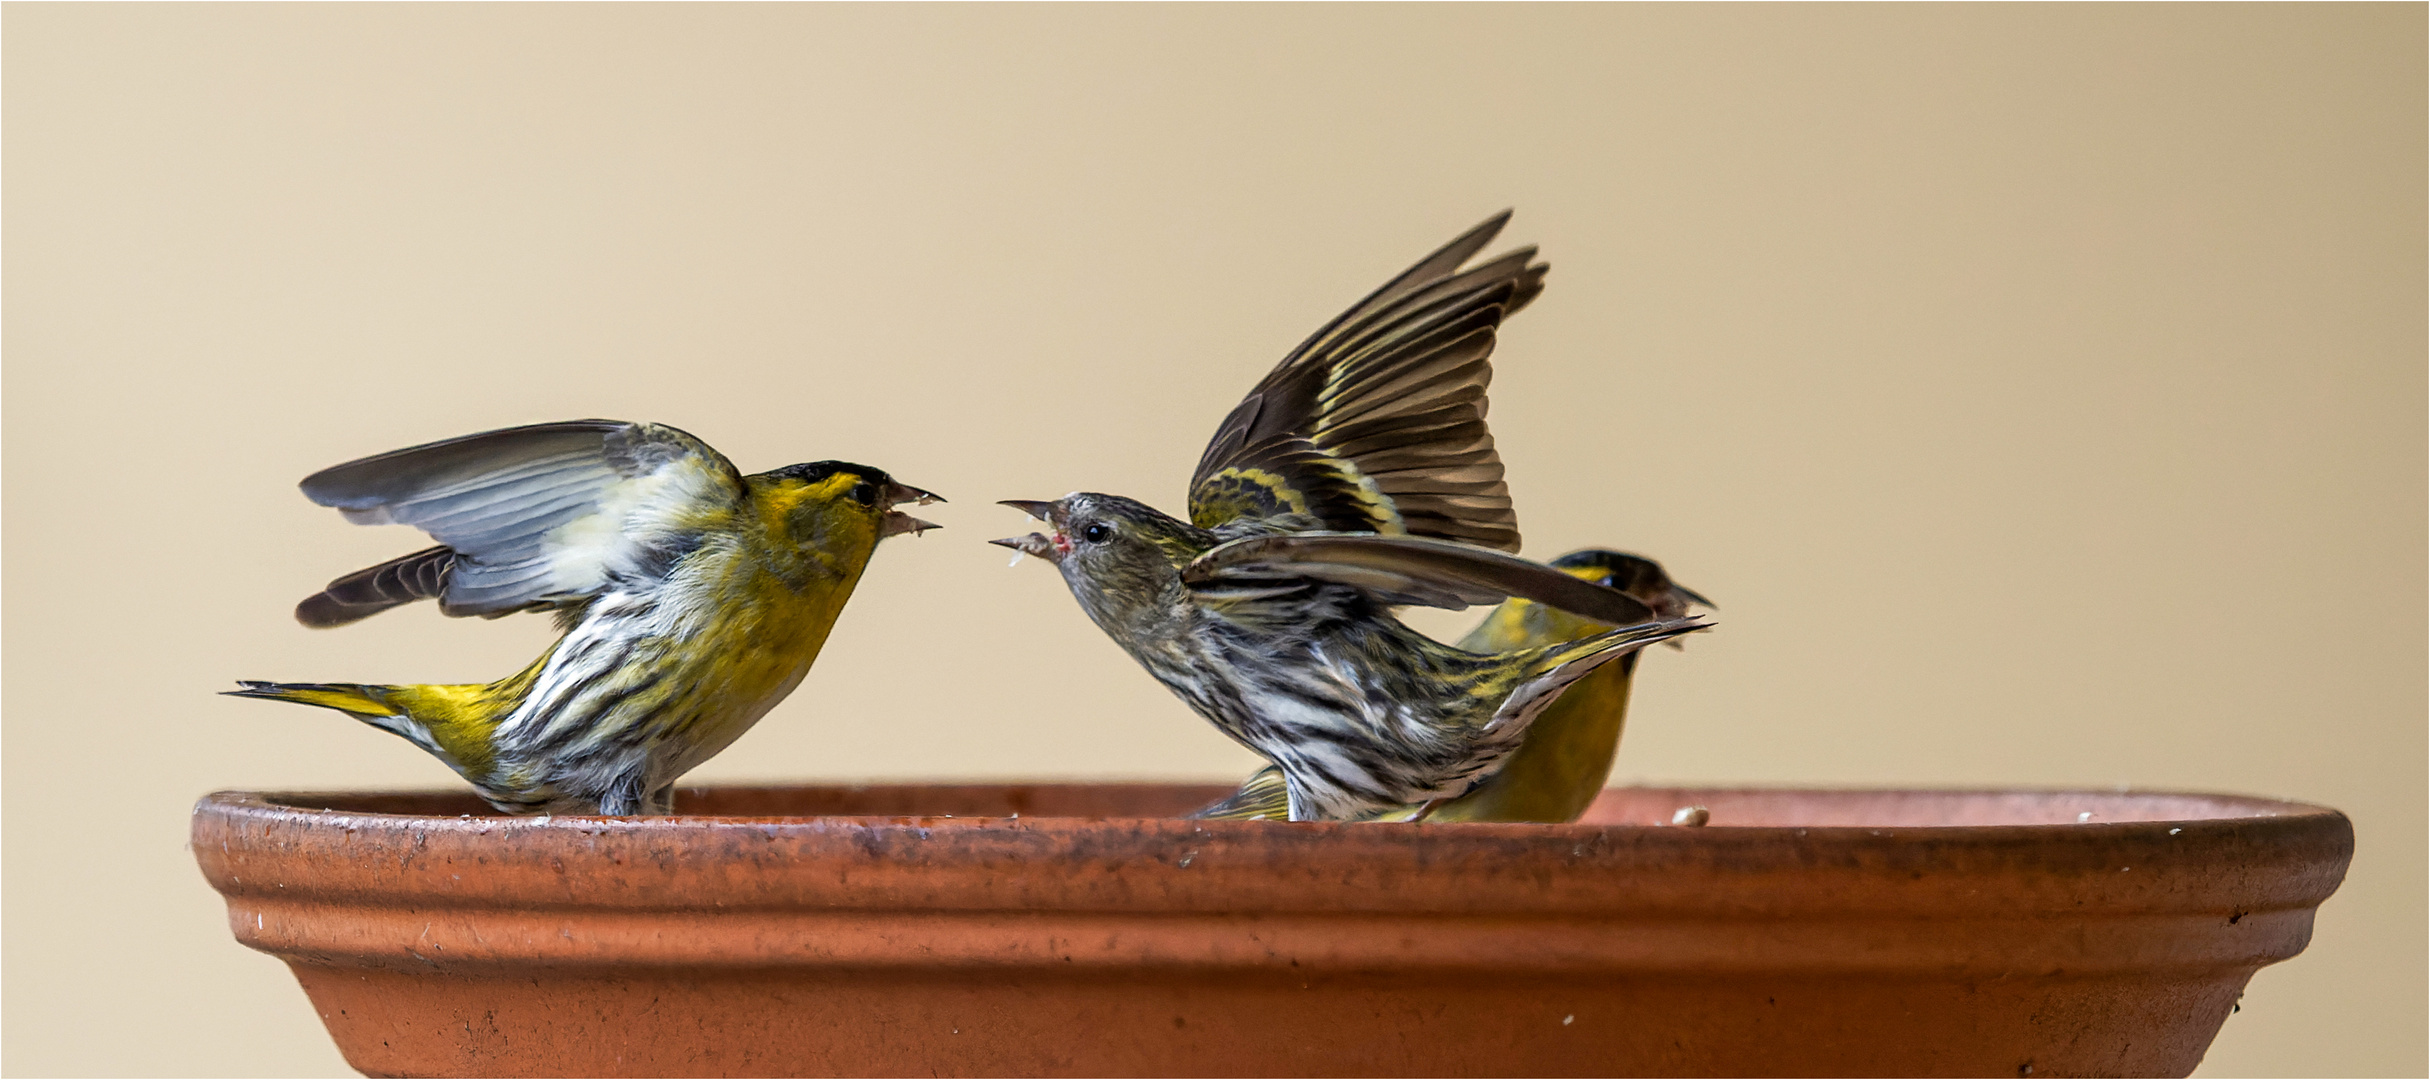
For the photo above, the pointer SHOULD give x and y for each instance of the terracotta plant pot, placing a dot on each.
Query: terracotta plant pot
(901, 930)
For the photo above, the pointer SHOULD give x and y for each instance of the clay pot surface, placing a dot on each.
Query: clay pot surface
(901, 930)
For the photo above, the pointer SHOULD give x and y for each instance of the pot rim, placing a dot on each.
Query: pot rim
(2262, 854)
(2256, 807)
(407, 891)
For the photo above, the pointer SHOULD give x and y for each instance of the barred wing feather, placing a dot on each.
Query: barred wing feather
(1376, 423)
(529, 517)
(367, 592)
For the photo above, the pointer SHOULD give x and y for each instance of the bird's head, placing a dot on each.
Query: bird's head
(1519, 624)
(1118, 555)
(837, 506)
(1635, 575)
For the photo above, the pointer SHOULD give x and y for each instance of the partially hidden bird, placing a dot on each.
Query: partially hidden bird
(1358, 475)
(692, 599)
(1566, 756)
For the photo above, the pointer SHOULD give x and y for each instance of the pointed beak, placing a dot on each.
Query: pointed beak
(1037, 543)
(1043, 511)
(896, 523)
(1033, 544)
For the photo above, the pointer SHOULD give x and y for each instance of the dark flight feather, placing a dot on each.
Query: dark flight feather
(1408, 570)
(1369, 423)
(364, 593)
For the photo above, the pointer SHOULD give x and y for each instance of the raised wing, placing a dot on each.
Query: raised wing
(1399, 570)
(1377, 422)
(526, 517)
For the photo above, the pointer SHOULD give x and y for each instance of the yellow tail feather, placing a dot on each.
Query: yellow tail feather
(354, 698)
(452, 722)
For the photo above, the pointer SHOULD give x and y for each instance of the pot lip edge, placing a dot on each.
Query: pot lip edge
(287, 803)
(2312, 846)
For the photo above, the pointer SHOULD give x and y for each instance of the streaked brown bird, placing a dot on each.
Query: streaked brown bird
(1358, 475)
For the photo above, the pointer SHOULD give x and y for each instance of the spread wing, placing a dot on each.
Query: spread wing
(527, 517)
(1377, 422)
(1395, 570)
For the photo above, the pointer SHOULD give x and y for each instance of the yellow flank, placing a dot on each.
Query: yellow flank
(1558, 769)
(462, 718)
(1562, 764)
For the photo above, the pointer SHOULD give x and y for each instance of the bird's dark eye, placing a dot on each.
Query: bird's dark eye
(1097, 532)
(865, 493)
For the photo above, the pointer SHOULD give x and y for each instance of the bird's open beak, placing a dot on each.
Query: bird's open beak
(1037, 543)
(896, 523)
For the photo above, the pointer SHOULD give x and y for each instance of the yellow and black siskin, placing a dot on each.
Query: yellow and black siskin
(693, 599)
(1358, 475)
(1566, 756)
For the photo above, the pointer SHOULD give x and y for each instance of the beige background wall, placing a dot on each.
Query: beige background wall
(2040, 389)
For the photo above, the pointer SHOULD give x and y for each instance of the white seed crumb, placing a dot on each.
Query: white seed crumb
(1691, 815)
(1565, 1021)
(2083, 817)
